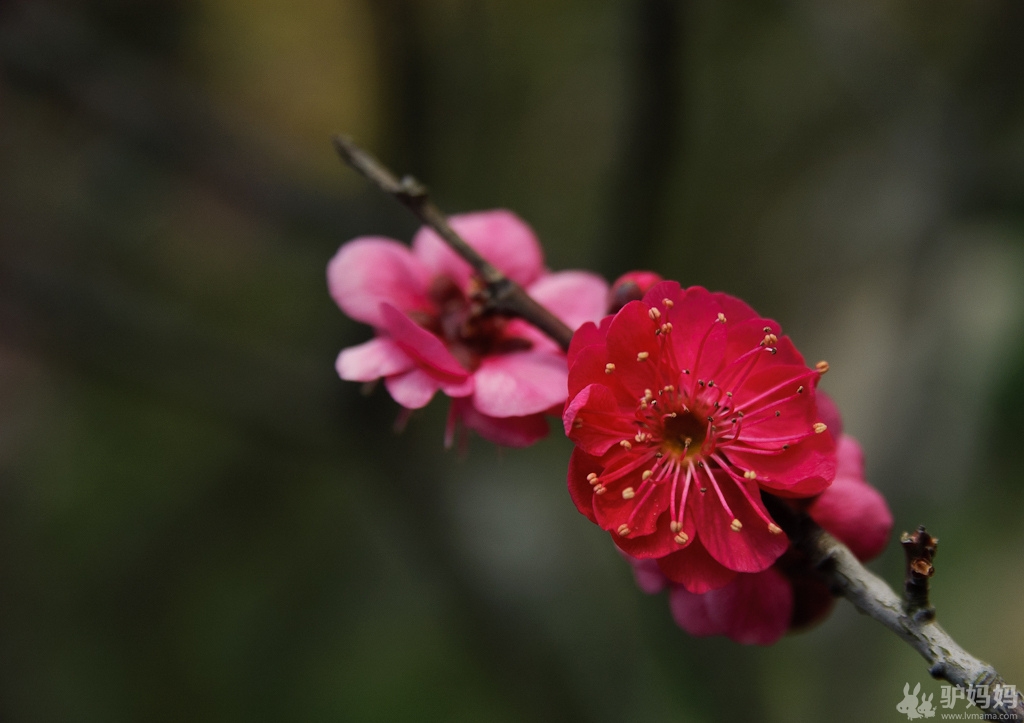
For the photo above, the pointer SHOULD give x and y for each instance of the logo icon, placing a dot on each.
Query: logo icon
(914, 709)
(908, 706)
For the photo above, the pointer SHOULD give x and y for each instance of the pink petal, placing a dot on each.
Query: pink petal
(520, 383)
(588, 335)
(805, 469)
(647, 574)
(412, 389)
(421, 345)
(828, 412)
(575, 297)
(657, 544)
(634, 349)
(379, 357)
(508, 431)
(589, 364)
(750, 549)
(749, 334)
(662, 290)
(851, 509)
(371, 270)
(735, 310)
(692, 612)
(642, 513)
(702, 351)
(593, 420)
(582, 464)
(700, 344)
(459, 389)
(755, 609)
(499, 236)
(693, 568)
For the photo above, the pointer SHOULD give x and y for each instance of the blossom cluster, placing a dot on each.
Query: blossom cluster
(432, 333)
(687, 410)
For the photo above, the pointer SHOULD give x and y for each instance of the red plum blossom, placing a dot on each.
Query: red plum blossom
(684, 406)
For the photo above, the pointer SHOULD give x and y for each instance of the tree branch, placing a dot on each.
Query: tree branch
(912, 619)
(501, 295)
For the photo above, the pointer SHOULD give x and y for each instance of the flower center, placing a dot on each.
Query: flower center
(683, 435)
(467, 328)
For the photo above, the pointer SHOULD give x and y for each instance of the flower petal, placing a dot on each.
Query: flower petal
(647, 574)
(520, 383)
(693, 568)
(412, 389)
(634, 349)
(692, 612)
(379, 357)
(656, 545)
(575, 297)
(582, 464)
(698, 337)
(593, 420)
(587, 335)
(428, 351)
(755, 609)
(851, 509)
(506, 431)
(499, 236)
(371, 270)
(752, 547)
(804, 470)
(828, 412)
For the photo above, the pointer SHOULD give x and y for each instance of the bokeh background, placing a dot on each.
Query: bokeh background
(199, 521)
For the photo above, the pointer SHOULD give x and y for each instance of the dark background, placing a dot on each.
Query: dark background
(199, 521)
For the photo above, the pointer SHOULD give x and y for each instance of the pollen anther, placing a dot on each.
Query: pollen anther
(821, 366)
(820, 427)
(654, 314)
(623, 530)
(682, 538)
(609, 368)
(774, 529)
(750, 474)
(735, 525)
(642, 356)
(625, 444)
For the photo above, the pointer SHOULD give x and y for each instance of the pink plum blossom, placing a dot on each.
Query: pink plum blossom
(432, 332)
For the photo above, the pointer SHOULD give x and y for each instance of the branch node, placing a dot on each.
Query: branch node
(412, 190)
(501, 295)
(919, 548)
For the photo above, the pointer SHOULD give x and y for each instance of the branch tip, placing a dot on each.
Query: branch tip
(501, 294)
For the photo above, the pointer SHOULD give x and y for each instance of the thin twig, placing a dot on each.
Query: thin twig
(502, 295)
(911, 620)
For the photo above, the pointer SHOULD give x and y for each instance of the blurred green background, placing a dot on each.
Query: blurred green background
(199, 521)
